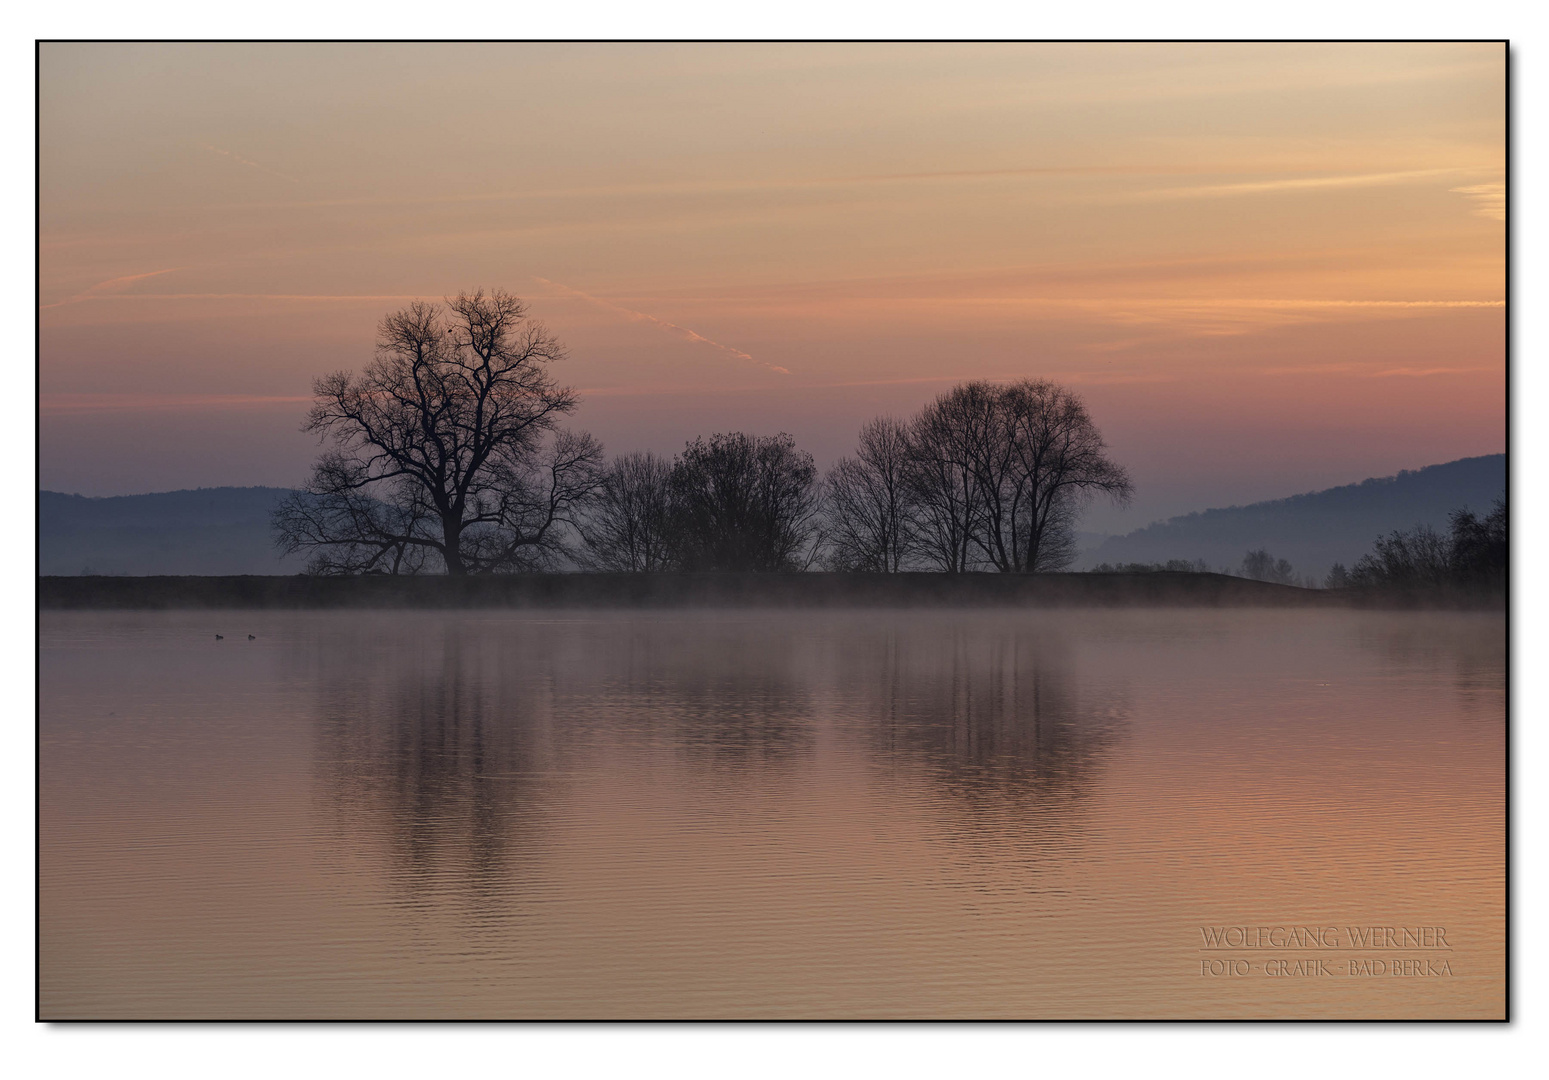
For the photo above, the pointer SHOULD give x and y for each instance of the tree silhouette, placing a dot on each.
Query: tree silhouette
(628, 526)
(446, 452)
(1260, 565)
(1473, 554)
(870, 519)
(1000, 474)
(740, 502)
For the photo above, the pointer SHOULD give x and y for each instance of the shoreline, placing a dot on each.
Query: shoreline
(1164, 589)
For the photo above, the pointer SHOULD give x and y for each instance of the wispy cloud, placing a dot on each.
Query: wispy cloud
(1086, 378)
(1201, 303)
(729, 185)
(240, 160)
(1235, 316)
(109, 287)
(1298, 183)
(1489, 199)
(1366, 303)
(765, 185)
(1200, 315)
(672, 328)
(318, 297)
(1365, 371)
(1420, 373)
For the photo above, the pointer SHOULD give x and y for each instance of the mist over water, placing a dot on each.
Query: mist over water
(761, 813)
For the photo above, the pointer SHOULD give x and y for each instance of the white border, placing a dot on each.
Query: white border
(781, 1051)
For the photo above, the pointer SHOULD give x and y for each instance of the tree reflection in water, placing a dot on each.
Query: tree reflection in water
(427, 745)
(996, 714)
(460, 740)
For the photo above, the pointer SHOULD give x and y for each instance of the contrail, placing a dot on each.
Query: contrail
(672, 328)
(240, 160)
(110, 286)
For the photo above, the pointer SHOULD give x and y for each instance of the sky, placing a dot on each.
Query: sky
(1267, 268)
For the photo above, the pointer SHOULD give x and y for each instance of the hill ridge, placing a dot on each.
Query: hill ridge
(1315, 529)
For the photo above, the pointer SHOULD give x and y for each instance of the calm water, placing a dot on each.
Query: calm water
(767, 814)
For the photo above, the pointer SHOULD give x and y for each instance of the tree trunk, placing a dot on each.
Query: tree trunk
(452, 533)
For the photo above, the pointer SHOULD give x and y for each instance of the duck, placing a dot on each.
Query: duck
(220, 637)
(251, 637)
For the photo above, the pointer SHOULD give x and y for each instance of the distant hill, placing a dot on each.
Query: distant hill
(1315, 530)
(205, 531)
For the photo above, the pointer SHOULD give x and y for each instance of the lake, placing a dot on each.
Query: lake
(770, 814)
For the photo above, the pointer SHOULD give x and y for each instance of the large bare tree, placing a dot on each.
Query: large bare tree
(1055, 460)
(445, 451)
(1000, 474)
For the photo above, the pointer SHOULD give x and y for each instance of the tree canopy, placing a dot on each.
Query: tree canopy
(445, 452)
(986, 476)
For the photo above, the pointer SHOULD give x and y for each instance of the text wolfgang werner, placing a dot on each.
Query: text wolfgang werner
(1248, 950)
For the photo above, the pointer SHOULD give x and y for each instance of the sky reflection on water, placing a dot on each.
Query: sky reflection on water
(759, 814)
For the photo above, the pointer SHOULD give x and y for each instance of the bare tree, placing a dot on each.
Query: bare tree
(1057, 462)
(868, 504)
(744, 503)
(626, 529)
(1474, 554)
(1260, 565)
(446, 450)
(1420, 556)
(1000, 476)
(945, 443)
(1478, 552)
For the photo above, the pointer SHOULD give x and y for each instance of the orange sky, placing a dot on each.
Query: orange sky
(1269, 268)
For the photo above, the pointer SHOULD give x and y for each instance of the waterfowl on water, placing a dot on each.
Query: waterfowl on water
(218, 637)
(250, 637)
